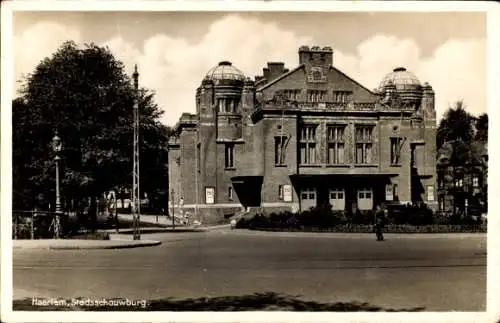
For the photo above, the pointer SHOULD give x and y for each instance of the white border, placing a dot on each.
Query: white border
(239, 5)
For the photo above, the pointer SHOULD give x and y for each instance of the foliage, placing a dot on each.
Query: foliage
(482, 127)
(400, 218)
(457, 124)
(85, 94)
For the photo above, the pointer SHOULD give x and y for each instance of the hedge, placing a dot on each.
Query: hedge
(403, 219)
(482, 228)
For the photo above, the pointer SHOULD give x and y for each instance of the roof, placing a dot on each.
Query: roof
(401, 78)
(225, 71)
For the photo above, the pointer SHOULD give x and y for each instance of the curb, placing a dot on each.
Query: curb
(82, 245)
(144, 243)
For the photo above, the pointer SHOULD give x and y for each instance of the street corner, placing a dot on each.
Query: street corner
(102, 244)
(73, 244)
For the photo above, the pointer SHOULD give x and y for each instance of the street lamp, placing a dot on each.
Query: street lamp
(57, 147)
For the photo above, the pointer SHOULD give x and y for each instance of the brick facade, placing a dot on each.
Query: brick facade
(247, 145)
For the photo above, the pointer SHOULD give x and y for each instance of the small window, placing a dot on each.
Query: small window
(475, 181)
(340, 195)
(230, 193)
(304, 196)
(333, 195)
(311, 196)
(229, 156)
(368, 195)
(361, 195)
(280, 192)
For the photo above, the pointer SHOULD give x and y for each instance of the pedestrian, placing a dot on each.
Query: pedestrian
(233, 224)
(379, 222)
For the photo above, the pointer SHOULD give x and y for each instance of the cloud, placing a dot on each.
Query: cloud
(174, 67)
(456, 69)
(39, 41)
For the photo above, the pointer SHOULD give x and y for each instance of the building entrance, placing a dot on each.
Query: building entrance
(308, 198)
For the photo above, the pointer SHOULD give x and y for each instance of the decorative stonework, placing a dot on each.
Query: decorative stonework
(316, 75)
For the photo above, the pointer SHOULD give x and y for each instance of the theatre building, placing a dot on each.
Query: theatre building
(292, 139)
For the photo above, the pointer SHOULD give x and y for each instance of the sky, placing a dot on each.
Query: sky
(174, 50)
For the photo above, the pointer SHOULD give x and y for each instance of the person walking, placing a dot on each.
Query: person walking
(379, 222)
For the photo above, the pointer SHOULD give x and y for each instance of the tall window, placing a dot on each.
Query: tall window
(336, 144)
(459, 182)
(280, 192)
(230, 193)
(364, 144)
(198, 149)
(292, 94)
(395, 150)
(341, 96)
(308, 145)
(279, 150)
(229, 155)
(316, 96)
(228, 105)
(222, 105)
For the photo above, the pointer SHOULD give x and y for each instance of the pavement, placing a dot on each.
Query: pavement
(430, 272)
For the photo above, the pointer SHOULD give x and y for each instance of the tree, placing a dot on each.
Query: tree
(482, 127)
(457, 124)
(85, 95)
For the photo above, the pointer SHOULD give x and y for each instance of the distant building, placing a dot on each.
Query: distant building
(295, 139)
(462, 177)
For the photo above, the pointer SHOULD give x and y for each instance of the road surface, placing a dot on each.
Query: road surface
(433, 273)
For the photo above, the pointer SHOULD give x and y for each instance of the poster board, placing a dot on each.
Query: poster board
(209, 195)
(389, 193)
(287, 193)
(430, 193)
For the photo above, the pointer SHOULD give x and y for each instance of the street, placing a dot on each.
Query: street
(432, 273)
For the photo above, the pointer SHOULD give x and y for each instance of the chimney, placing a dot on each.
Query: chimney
(316, 56)
(275, 70)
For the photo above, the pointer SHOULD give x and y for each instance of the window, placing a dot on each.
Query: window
(396, 144)
(308, 145)
(336, 144)
(395, 190)
(459, 182)
(280, 192)
(441, 204)
(230, 193)
(475, 181)
(341, 96)
(222, 105)
(364, 145)
(280, 150)
(227, 105)
(291, 94)
(229, 154)
(316, 75)
(198, 156)
(413, 159)
(316, 96)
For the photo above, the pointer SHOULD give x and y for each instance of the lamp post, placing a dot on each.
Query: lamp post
(57, 147)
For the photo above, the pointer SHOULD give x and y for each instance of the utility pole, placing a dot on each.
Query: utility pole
(136, 204)
(173, 208)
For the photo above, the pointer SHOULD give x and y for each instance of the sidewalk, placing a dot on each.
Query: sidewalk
(78, 244)
(162, 220)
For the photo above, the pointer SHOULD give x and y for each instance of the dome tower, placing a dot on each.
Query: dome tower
(221, 90)
(403, 84)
